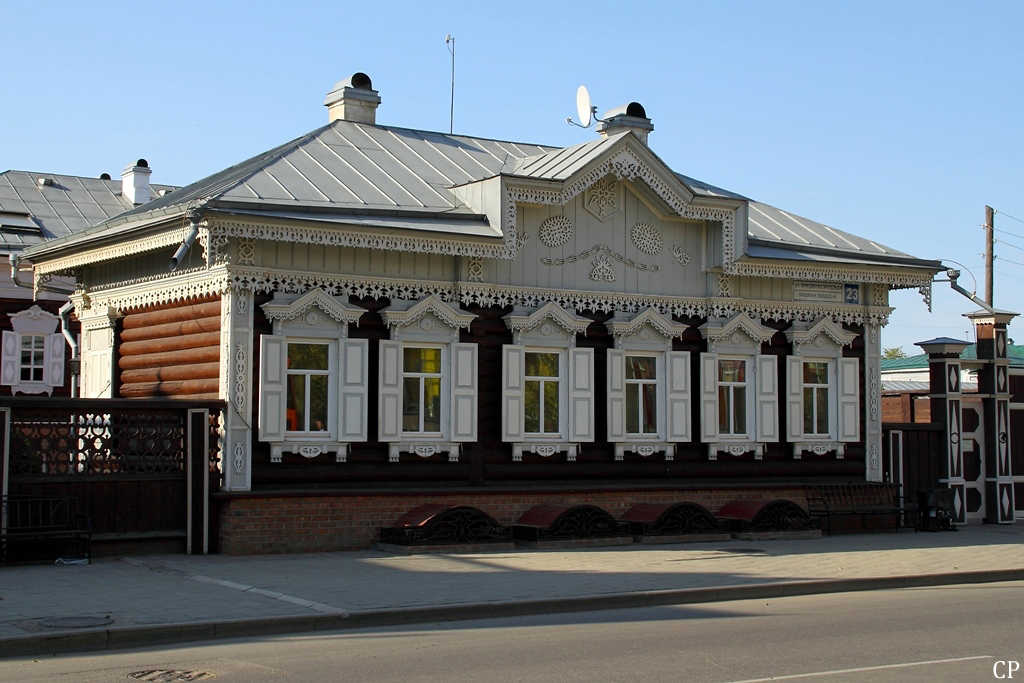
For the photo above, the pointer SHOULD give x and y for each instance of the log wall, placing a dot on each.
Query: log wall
(170, 352)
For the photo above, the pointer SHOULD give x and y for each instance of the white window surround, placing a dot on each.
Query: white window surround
(823, 341)
(38, 328)
(739, 337)
(434, 323)
(313, 318)
(551, 329)
(649, 333)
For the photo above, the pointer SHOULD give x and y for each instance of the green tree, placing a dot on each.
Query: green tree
(894, 352)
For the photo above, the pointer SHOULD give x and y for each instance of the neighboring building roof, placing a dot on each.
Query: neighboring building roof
(1014, 352)
(890, 386)
(32, 211)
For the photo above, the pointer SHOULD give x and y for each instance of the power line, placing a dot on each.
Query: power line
(1008, 216)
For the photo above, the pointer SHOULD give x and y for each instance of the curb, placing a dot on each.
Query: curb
(164, 634)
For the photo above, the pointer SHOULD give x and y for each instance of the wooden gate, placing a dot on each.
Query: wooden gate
(913, 455)
(142, 470)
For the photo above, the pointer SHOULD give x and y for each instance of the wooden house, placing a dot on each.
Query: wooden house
(396, 316)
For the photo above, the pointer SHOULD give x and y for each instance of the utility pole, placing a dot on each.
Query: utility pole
(989, 229)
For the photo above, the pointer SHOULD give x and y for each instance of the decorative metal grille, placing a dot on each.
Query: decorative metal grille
(682, 518)
(456, 525)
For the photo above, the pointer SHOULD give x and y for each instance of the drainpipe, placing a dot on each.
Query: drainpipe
(193, 231)
(76, 368)
(15, 270)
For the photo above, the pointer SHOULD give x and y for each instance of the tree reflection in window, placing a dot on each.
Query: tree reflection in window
(421, 390)
(542, 386)
(308, 381)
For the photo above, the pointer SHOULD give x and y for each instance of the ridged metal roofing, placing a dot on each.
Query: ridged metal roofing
(31, 212)
(775, 226)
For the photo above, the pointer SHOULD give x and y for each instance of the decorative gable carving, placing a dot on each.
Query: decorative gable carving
(627, 325)
(524, 321)
(604, 199)
(338, 310)
(739, 331)
(822, 333)
(430, 316)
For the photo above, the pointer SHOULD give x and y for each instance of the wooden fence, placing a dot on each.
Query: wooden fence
(142, 470)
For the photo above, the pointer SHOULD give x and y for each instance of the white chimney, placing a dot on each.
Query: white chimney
(627, 117)
(135, 182)
(353, 99)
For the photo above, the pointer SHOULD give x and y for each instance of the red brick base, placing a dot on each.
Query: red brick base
(258, 523)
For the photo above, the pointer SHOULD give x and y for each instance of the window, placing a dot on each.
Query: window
(548, 383)
(33, 350)
(421, 390)
(648, 385)
(641, 395)
(732, 397)
(313, 378)
(542, 398)
(33, 353)
(816, 401)
(308, 397)
(822, 389)
(427, 389)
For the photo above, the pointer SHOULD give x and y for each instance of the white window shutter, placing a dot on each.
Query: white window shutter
(464, 392)
(273, 396)
(677, 396)
(53, 360)
(581, 395)
(389, 413)
(616, 395)
(767, 398)
(708, 397)
(513, 374)
(10, 362)
(352, 389)
(849, 399)
(794, 398)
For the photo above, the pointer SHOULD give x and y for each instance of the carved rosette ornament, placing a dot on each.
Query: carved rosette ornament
(555, 231)
(646, 238)
(604, 198)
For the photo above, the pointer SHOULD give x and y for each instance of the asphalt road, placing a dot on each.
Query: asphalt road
(955, 633)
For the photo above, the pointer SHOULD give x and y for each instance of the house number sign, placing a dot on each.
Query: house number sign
(826, 292)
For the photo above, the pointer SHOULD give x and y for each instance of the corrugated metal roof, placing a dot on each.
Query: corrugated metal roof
(63, 205)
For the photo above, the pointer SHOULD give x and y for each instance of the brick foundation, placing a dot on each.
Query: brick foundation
(259, 523)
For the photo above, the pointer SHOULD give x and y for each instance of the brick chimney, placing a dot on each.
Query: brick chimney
(353, 99)
(135, 182)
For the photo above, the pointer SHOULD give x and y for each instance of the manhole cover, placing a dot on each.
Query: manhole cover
(169, 675)
(76, 622)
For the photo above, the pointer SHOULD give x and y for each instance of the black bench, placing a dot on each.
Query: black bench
(43, 527)
(861, 500)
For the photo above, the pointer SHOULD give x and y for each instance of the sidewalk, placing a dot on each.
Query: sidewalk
(134, 601)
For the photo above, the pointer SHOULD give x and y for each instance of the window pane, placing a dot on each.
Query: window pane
(411, 404)
(724, 410)
(431, 404)
(296, 397)
(822, 408)
(732, 370)
(650, 395)
(532, 409)
(815, 372)
(808, 410)
(640, 367)
(421, 360)
(551, 408)
(307, 357)
(632, 408)
(739, 410)
(318, 403)
(542, 365)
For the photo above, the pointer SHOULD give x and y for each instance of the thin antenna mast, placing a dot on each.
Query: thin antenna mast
(449, 39)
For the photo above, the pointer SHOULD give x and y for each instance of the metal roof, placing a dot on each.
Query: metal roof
(32, 212)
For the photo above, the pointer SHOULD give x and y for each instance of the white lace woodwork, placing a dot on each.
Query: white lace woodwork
(428, 323)
(236, 382)
(608, 251)
(555, 231)
(548, 330)
(823, 342)
(873, 373)
(648, 334)
(646, 238)
(314, 318)
(32, 353)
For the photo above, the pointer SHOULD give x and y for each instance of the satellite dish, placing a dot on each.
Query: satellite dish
(583, 108)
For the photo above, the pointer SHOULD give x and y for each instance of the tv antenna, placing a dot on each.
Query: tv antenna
(586, 111)
(449, 40)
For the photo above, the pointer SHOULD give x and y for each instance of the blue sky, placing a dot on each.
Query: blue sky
(894, 120)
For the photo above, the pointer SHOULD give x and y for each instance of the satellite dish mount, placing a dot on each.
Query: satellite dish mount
(586, 112)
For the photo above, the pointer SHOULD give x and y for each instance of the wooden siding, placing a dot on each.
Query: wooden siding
(171, 351)
(317, 258)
